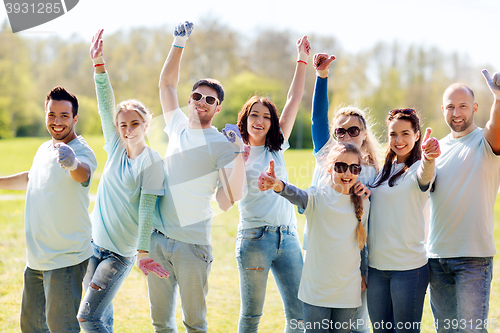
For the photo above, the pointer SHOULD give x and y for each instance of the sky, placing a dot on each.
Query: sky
(463, 26)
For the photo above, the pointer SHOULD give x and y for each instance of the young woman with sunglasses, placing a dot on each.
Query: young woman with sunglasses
(349, 127)
(397, 260)
(267, 237)
(123, 215)
(331, 281)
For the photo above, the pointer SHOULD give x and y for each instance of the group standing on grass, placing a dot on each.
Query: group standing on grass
(366, 249)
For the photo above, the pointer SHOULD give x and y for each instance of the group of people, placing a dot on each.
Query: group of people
(366, 254)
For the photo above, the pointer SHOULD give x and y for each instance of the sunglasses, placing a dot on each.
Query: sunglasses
(341, 167)
(352, 131)
(404, 111)
(210, 100)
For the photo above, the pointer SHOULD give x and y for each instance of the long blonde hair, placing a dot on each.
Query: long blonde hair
(370, 146)
(356, 200)
(133, 105)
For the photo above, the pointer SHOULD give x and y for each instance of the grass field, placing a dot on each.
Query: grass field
(131, 303)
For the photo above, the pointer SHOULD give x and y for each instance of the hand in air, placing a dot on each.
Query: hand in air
(303, 49)
(181, 33)
(493, 83)
(321, 63)
(67, 158)
(96, 53)
(148, 265)
(430, 146)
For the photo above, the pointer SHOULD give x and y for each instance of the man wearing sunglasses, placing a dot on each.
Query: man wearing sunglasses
(198, 158)
(461, 242)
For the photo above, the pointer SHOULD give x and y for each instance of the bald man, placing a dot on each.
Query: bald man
(461, 241)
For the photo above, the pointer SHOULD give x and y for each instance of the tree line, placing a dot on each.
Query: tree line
(381, 77)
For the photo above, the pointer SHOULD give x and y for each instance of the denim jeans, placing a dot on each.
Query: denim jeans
(107, 270)
(51, 299)
(396, 299)
(189, 266)
(361, 316)
(460, 293)
(318, 319)
(259, 250)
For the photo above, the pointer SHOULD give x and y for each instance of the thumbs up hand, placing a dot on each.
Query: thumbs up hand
(430, 146)
(268, 180)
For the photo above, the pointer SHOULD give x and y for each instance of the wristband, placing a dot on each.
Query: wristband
(98, 60)
(239, 152)
(302, 61)
(97, 65)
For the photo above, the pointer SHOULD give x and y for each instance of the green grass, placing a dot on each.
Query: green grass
(131, 303)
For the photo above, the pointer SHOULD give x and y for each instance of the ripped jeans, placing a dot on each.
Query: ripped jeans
(259, 250)
(106, 270)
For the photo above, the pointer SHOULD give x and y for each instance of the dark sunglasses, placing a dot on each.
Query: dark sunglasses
(352, 131)
(341, 167)
(404, 111)
(209, 99)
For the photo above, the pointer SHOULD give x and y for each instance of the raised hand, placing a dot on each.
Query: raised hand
(321, 63)
(67, 158)
(181, 34)
(148, 265)
(493, 83)
(268, 180)
(430, 146)
(303, 49)
(361, 190)
(96, 45)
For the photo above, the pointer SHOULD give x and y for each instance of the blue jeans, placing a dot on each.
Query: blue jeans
(259, 250)
(106, 270)
(396, 299)
(460, 293)
(361, 316)
(189, 266)
(51, 299)
(318, 319)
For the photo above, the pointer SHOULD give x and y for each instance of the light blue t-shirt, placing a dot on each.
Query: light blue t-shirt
(331, 276)
(192, 163)
(462, 204)
(115, 219)
(396, 233)
(57, 222)
(265, 208)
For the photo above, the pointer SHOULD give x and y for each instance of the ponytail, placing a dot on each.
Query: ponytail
(358, 208)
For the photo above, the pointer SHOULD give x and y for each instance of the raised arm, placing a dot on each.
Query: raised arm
(319, 118)
(17, 182)
(296, 90)
(427, 168)
(104, 92)
(492, 127)
(169, 77)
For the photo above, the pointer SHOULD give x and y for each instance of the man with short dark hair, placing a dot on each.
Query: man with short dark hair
(461, 240)
(58, 229)
(198, 158)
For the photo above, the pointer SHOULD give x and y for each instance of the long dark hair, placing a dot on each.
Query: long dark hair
(415, 154)
(274, 138)
(356, 200)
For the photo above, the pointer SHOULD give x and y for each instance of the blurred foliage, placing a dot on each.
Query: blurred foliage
(381, 77)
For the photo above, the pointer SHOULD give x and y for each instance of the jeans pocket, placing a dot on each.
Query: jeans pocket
(125, 261)
(253, 233)
(204, 252)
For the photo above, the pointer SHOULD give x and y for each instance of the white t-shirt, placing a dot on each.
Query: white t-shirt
(396, 231)
(331, 276)
(57, 222)
(115, 219)
(462, 204)
(259, 208)
(192, 161)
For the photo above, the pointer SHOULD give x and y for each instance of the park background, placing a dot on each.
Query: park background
(390, 54)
